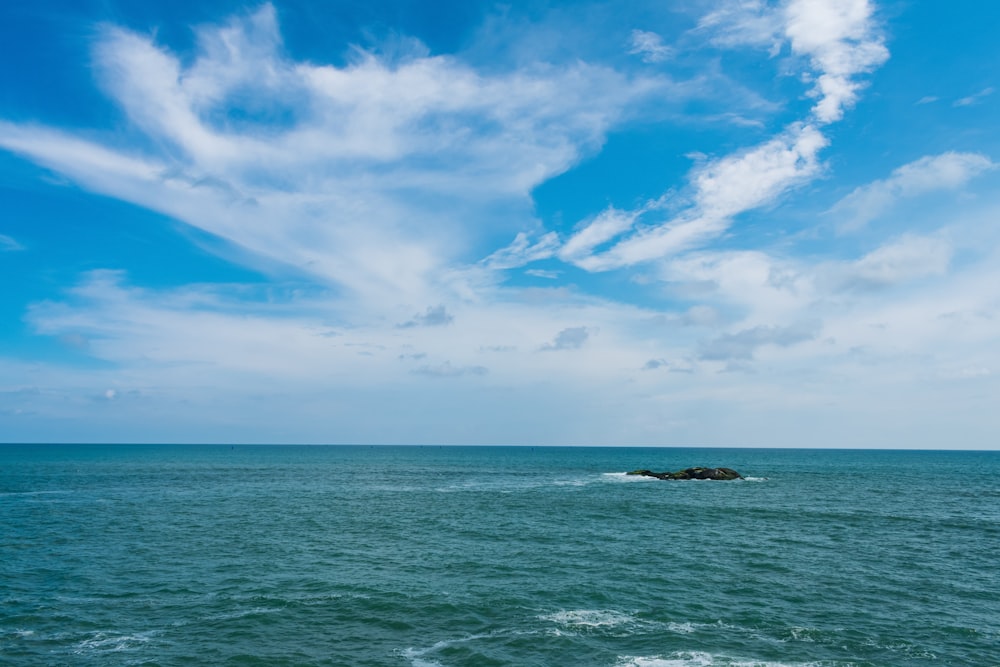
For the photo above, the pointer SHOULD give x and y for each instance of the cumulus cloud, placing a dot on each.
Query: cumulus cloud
(767, 287)
(947, 171)
(840, 39)
(842, 42)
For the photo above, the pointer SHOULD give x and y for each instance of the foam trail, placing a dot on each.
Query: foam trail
(625, 477)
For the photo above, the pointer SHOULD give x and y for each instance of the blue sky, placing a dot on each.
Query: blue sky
(704, 222)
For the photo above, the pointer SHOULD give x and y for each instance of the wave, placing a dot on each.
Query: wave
(418, 656)
(625, 477)
(590, 618)
(619, 623)
(701, 659)
(102, 642)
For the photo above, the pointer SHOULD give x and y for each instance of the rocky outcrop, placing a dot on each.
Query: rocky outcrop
(692, 473)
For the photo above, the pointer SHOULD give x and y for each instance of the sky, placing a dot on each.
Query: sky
(769, 223)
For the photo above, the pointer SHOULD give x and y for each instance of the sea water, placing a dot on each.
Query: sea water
(449, 556)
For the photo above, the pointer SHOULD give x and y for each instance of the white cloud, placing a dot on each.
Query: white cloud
(947, 171)
(764, 288)
(649, 46)
(604, 227)
(722, 189)
(744, 23)
(542, 273)
(522, 251)
(385, 178)
(974, 99)
(9, 244)
(363, 175)
(902, 260)
(839, 37)
(201, 354)
(744, 181)
(842, 42)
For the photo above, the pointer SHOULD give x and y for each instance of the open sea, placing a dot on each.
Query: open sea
(451, 556)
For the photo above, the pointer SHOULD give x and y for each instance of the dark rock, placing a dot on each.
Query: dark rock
(692, 473)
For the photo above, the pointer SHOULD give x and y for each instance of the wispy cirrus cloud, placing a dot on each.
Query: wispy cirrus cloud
(649, 46)
(930, 173)
(840, 42)
(379, 183)
(721, 189)
(360, 175)
(975, 98)
(9, 244)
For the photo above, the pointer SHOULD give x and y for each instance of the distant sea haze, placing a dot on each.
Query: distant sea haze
(471, 556)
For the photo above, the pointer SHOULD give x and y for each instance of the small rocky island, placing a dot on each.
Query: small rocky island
(692, 473)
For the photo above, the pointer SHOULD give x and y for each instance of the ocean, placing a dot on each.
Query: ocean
(477, 556)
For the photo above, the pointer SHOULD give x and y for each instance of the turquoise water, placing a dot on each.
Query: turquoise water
(426, 556)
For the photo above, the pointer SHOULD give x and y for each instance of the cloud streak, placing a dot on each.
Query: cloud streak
(947, 171)
(840, 41)
(9, 244)
(649, 46)
(360, 175)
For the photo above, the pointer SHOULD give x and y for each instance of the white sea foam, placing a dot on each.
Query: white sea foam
(682, 628)
(625, 477)
(590, 618)
(415, 656)
(418, 656)
(702, 659)
(572, 482)
(804, 634)
(674, 660)
(107, 642)
(574, 621)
